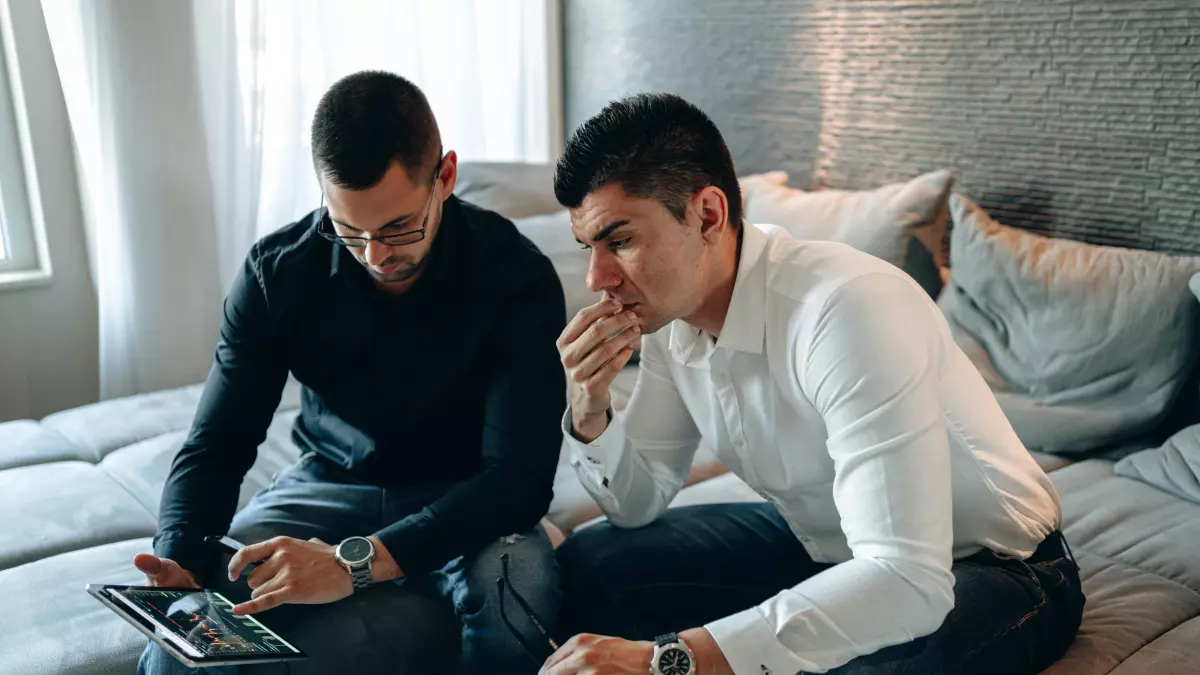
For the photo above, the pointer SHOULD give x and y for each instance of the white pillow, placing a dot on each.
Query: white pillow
(514, 190)
(1083, 345)
(881, 222)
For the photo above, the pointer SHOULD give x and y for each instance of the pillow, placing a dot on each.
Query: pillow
(1083, 345)
(1173, 468)
(881, 222)
(513, 190)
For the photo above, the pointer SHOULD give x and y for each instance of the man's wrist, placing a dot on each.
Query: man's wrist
(709, 658)
(384, 566)
(587, 428)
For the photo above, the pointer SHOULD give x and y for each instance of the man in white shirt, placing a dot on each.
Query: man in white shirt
(905, 528)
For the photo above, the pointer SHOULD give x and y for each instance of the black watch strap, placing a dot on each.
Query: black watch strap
(664, 640)
(361, 577)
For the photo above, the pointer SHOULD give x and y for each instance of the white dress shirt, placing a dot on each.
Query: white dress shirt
(836, 392)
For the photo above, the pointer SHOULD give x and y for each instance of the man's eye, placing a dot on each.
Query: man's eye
(584, 246)
(619, 243)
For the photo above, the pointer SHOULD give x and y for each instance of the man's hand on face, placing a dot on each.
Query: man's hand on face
(163, 572)
(290, 571)
(593, 348)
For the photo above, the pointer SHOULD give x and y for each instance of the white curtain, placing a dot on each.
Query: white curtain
(191, 124)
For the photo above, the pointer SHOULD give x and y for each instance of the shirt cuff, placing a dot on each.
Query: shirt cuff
(189, 551)
(598, 459)
(751, 646)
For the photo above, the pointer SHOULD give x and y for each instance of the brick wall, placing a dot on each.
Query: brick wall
(1076, 118)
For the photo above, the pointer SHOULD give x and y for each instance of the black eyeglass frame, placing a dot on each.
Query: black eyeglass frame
(325, 223)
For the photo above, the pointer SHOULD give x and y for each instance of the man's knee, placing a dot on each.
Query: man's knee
(527, 565)
(525, 561)
(591, 559)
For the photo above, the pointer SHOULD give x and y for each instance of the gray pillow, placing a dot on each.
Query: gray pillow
(513, 190)
(1084, 346)
(1173, 468)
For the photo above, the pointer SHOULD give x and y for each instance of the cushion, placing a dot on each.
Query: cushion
(1084, 346)
(142, 468)
(52, 626)
(102, 427)
(26, 442)
(881, 222)
(1173, 468)
(1176, 653)
(513, 190)
(64, 506)
(1139, 555)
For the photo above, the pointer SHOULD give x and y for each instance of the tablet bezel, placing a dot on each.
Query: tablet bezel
(150, 629)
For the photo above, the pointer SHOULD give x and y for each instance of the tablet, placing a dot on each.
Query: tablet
(198, 627)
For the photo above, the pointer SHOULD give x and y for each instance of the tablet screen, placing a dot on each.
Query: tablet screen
(202, 623)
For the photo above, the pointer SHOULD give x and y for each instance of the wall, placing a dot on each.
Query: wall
(1072, 117)
(48, 337)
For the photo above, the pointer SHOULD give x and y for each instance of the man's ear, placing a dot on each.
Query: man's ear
(449, 174)
(713, 209)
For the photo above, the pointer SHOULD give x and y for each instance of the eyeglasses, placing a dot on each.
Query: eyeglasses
(325, 226)
(503, 581)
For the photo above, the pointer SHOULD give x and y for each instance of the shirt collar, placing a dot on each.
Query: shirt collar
(745, 321)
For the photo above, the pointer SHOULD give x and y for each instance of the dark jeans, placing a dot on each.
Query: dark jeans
(406, 627)
(697, 564)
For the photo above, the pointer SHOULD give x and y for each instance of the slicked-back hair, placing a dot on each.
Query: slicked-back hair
(656, 146)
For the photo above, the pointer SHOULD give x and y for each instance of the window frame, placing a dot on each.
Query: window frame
(28, 255)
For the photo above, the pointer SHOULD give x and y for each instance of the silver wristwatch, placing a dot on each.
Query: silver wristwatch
(672, 656)
(356, 554)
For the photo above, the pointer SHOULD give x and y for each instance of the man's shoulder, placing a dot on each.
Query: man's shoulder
(294, 251)
(809, 272)
(501, 256)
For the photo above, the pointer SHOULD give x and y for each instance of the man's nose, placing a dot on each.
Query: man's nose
(603, 274)
(376, 252)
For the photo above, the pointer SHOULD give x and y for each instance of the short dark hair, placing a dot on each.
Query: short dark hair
(368, 120)
(656, 146)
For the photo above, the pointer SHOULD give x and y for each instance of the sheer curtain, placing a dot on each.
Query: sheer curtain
(191, 129)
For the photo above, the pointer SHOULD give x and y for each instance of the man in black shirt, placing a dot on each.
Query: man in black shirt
(423, 330)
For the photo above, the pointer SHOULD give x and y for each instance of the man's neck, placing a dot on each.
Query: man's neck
(710, 318)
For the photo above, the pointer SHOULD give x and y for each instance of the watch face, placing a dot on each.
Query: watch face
(674, 662)
(355, 550)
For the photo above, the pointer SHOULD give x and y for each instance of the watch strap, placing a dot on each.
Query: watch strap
(361, 576)
(664, 640)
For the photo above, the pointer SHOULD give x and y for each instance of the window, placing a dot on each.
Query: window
(23, 256)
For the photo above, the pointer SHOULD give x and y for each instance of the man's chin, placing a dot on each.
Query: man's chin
(652, 324)
(397, 276)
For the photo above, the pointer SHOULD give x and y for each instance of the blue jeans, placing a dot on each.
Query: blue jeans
(414, 625)
(697, 564)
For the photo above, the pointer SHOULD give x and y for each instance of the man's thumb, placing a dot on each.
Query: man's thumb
(150, 565)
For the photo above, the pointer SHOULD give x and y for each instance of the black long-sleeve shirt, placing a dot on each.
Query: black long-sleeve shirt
(456, 381)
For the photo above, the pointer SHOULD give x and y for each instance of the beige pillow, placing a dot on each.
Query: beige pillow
(881, 222)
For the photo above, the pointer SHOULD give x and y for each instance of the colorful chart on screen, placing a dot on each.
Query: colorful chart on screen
(202, 623)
